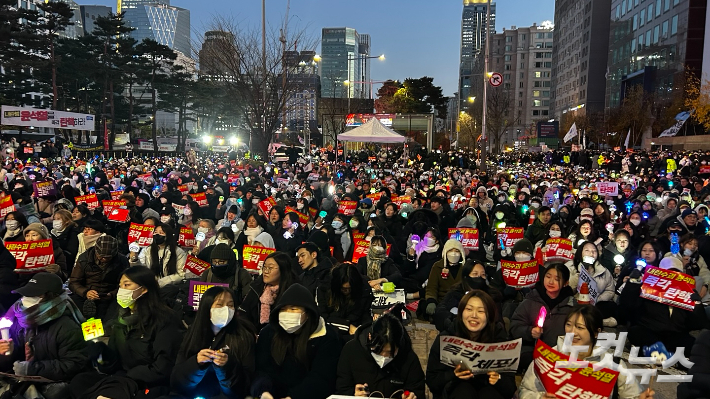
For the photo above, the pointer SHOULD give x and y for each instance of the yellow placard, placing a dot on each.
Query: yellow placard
(92, 329)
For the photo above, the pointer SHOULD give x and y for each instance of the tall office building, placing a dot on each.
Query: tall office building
(343, 60)
(579, 56)
(301, 109)
(89, 15)
(158, 20)
(218, 56)
(524, 57)
(473, 39)
(651, 43)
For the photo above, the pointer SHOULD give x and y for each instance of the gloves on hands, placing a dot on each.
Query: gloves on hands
(430, 309)
(21, 368)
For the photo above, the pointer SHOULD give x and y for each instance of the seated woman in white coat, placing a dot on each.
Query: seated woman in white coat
(163, 257)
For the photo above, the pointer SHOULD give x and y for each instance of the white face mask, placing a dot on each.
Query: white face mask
(29, 301)
(124, 297)
(291, 322)
(635, 222)
(453, 256)
(57, 224)
(12, 224)
(555, 233)
(499, 215)
(522, 257)
(429, 242)
(588, 260)
(222, 241)
(164, 219)
(381, 360)
(255, 201)
(203, 230)
(220, 317)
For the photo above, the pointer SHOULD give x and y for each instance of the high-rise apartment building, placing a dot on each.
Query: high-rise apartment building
(158, 20)
(301, 106)
(473, 39)
(523, 55)
(342, 60)
(579, 56)
(89, 13)
(651, 43)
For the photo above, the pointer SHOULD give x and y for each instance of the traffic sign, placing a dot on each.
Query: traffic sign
(496, 79)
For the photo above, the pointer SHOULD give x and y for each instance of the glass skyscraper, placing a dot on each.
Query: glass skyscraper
(158, 20)
(473, 38)
(340, 61)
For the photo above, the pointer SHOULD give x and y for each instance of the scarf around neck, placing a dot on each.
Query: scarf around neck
(252, 232)
(45, 312)
(374, 263)
(267, 299)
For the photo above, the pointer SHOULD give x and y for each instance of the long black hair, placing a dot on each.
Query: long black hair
(155, 261)
(488, 333)
(296, 344)
(239, 334)
(150, 308)
(388, 329)
(286, 274)
(341, 274)
(593, 319)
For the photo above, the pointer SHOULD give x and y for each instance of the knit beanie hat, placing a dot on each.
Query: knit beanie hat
(39, 228)
(222, 252)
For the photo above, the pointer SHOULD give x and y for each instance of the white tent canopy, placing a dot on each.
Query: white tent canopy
(372, 132)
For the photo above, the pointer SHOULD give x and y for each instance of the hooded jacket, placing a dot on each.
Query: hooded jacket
(437, 287)
(315, 380)
(610, 251)
(357, 366)
(485, 203)
(525, 316)
(531, 387)
(603, 279)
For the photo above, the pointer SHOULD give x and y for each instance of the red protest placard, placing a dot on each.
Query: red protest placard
(402, 200)
(704, 169)
(6, 206)
(186, 238)
(509, 235)
(361, 247)
(119, 215)
(520, 274)
(111, 205)
(145, 176)
(266, 205)
(312, 212)
(31, 256)
(91, 201)
(44, 188)
(347, 208)
(375, 197)
(302, 217)
(195, 265)
(200, 198)
(142, 234)
(571, 383)
(183, 189)
(253, 257)
(558, 250)
(232, 179)
(359, 236)
(668, 286)
(468, 236)
(116, 194)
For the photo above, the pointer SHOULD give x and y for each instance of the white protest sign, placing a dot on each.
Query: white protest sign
(480, 358)
(585, 277)
(388, 299)
(610, 188)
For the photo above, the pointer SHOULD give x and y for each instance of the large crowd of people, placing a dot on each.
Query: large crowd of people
(303, 324)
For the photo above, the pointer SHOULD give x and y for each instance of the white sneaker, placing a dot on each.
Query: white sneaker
(609, 322)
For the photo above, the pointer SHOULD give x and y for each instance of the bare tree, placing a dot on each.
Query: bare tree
(254, 79)
(500, 116)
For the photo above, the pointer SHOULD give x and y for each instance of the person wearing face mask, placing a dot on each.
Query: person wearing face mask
(290, 235)
(376, 267)
(217, 356)
(444, 274)
(584, 323)
(563, 216)
(206, 227)
(45, 337)
(254, 226)
(297, 352)
(15, 223)
(586, 258)
(94, 278)
(163, 256)
(65, 232)
(476, 320)
(421, 256)
(145, 340)
(554, 230)
(92, 229)
(226, 270)
(553, 292)
(380, 358)
(341, 229)
(473, 278)
(167, 216)
(693, 264)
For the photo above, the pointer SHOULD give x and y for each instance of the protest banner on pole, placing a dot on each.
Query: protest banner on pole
(669, 287)
(141, 234)
(563, 382)
(31, 256)
(478, 357)
(466, 235)
(520, 274)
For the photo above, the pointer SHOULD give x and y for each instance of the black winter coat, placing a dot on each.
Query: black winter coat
(357, 366)
(443, 318)
(58, 348)
(316, 278)
(700, 386)
(68, 240)
(388, 270)
(419, 269)
(145, 357)
(8, 279)
(525, 316)
(355, 314)
(440, 378)
(315, 380)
